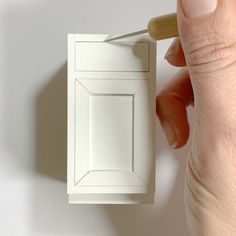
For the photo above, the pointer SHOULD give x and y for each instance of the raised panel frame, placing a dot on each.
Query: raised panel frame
(135, 180)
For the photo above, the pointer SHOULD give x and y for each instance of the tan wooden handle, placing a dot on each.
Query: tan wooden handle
(163, 27)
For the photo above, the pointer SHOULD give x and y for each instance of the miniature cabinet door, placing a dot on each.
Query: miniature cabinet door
(111, 120)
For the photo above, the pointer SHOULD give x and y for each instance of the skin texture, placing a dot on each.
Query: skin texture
(206, 50)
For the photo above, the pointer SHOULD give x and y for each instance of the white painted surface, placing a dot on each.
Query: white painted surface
(97, 56)
(111, 115)
(33, 198)
(111, 122)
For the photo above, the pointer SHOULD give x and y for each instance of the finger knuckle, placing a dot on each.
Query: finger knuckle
(210, 53)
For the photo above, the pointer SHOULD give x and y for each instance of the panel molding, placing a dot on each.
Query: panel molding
(133, 178)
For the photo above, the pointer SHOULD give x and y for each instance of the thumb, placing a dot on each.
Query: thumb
(208, 36)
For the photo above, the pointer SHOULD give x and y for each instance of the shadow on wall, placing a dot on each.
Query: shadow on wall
(127, 220)
(165, 220)
(51, 117)
(51, 213)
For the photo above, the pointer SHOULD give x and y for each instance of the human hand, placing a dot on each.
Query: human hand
(207, 47)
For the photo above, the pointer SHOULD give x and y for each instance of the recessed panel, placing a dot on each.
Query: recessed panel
(111, 132)
(101, 56)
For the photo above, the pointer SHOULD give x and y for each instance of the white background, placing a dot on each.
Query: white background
(33, 51)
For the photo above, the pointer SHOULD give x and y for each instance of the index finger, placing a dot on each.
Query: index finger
(175, 55)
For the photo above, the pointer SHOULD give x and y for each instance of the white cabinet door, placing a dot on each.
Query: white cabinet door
(111, 120)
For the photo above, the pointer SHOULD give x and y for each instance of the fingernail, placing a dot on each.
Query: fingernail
(170, 134)
(172, 50)
(197, 8)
